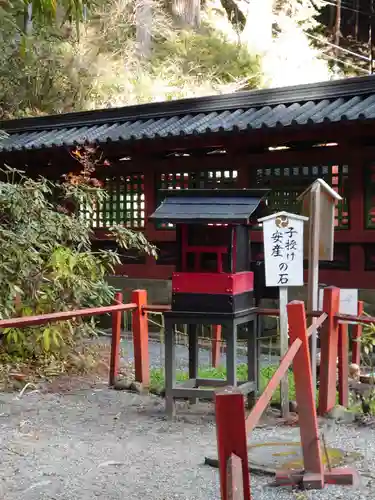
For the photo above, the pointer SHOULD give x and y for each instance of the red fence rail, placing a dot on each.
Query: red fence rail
(140, 308)
(42, 319)
(233, 427)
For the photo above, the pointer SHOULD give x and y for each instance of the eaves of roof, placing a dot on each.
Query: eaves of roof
(190, 206)
(333, 101)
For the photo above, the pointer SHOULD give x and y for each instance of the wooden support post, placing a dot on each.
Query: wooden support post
(329, 337)
(193, 355)
(115, 341)
(305, 395)
(170, 369)
(284, 342)
(140, 338)
(343, 365)
(231, 437)
(216, 340)
(234, 478)
(356, 337)
(253, 360)
(313, 269)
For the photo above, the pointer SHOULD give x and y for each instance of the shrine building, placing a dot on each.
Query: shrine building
(279, 139)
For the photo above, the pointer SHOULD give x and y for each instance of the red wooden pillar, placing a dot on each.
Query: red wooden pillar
(305, 396)
(357, 215)
(356, 337)
(149, 177)
(140, 338)
(231, 438)
(329, 337)
(115, 342)
(244, 175)
(343, 365)
(216, 340)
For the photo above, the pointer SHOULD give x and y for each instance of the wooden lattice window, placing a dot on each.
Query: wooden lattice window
(287, 183)
(125, 204)
(209, 179)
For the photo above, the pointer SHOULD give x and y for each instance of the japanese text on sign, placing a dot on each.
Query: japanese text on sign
(283, 251)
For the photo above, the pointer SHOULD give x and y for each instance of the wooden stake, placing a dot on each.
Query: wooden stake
(115, 341)
(343, 365)
(305, 394)
(215, 346)
(329, 337)
(231, 437)
(140, 338)
(313, 272)
(284, 344)
(356, 337)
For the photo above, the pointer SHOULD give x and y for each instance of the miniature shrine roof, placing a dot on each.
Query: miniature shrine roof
(325, 102)
(209, 206)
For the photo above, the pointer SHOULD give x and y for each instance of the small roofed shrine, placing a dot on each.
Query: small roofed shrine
(213, 283)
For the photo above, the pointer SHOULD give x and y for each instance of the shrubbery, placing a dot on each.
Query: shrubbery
(47, 264)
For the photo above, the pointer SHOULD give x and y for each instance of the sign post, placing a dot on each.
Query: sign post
(283, 257)
(318, 204)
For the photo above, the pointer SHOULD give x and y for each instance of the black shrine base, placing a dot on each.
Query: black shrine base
(193, 389)
(211, 303)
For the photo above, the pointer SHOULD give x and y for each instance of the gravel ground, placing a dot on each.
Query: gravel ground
(115, 445)
(157, 356)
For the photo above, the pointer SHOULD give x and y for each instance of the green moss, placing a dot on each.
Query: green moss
(332, 457)
(219, 373)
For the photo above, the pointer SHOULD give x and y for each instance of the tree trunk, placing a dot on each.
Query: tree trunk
(234, 13)
(187, 11)
(337, 33)
(144, 27)
(356, 19)
(28, 19)
(257, 34)
(338, 26)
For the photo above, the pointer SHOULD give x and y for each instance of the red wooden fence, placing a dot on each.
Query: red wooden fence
(140, 307)
(233, 427)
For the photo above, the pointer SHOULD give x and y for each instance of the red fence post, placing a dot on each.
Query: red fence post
(216, 338)
(356, 337)
(305, 396)
(115, 341)
(231, 437)
(329, 337)
(140, 338)
(343, 365)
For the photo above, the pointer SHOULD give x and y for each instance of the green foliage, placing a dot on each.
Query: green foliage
(43, 77)
(368, 337)
(266, 373)
(54, 71)
(47, 264)
(367, 340)
(205, 55)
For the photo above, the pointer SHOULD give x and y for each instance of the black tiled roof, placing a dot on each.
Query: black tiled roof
(199, 205)
(333, 101)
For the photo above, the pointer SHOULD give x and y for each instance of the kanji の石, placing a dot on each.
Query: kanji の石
(283, 249)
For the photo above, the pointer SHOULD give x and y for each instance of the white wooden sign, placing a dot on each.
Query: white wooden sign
(283, 249)
(283, 258)
(348, 301)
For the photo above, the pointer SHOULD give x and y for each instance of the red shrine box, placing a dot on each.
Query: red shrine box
(212, 228)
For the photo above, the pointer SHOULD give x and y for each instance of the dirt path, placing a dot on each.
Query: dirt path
(99, 443)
